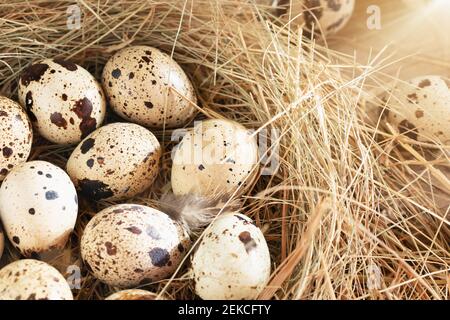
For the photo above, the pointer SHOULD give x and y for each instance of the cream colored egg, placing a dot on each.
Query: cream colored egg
(135, 294)
(126, 245)
(216, 157)
(64, 101)
(420, 109)
(327, 16)
(146, 86)
(16, 136)
(117, 161)
(32, 280)
(232, 261)
(38, 207)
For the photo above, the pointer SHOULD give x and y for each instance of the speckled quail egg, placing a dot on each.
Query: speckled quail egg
(232, 261)
(63, 100)
(126, 245)
(216, 157)
(146, 86)
(116, 161)
(420, 109)
(327, 16)
(2, 241)
(135, 294)
(38, 207)
(16, 136)
(30, 279)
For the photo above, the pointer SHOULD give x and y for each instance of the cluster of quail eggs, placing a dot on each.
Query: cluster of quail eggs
(124, 245)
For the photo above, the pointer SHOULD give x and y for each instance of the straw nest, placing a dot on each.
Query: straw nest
(354, 210)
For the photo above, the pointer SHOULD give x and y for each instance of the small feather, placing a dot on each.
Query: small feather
(195, 212)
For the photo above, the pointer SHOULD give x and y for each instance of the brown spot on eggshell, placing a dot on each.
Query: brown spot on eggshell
(87, 145)
(66, 64)
(148, 104)
(116, 73)
(110, 248)
(412, 98)
(33, 73)
(334, 5)
(90, 163)
(16, 240)
(246, 238)
(424, 83)
(419, 114)
(57, 119)
(7, 152)
(160, 257)
(95, 189)
(134, 230)
(245, 221)
(32, 296)
(83, 110)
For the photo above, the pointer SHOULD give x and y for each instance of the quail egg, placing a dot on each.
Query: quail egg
(63, 100)
(327, 16)
(216, 157)
(126, 245)
(232, 261)
(16, 136)
(146, 86)
(420, 109)
(30, 279)
(117, 161)
(38, 207)
(134, 294)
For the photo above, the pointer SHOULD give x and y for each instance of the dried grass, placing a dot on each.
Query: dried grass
(351, 197)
